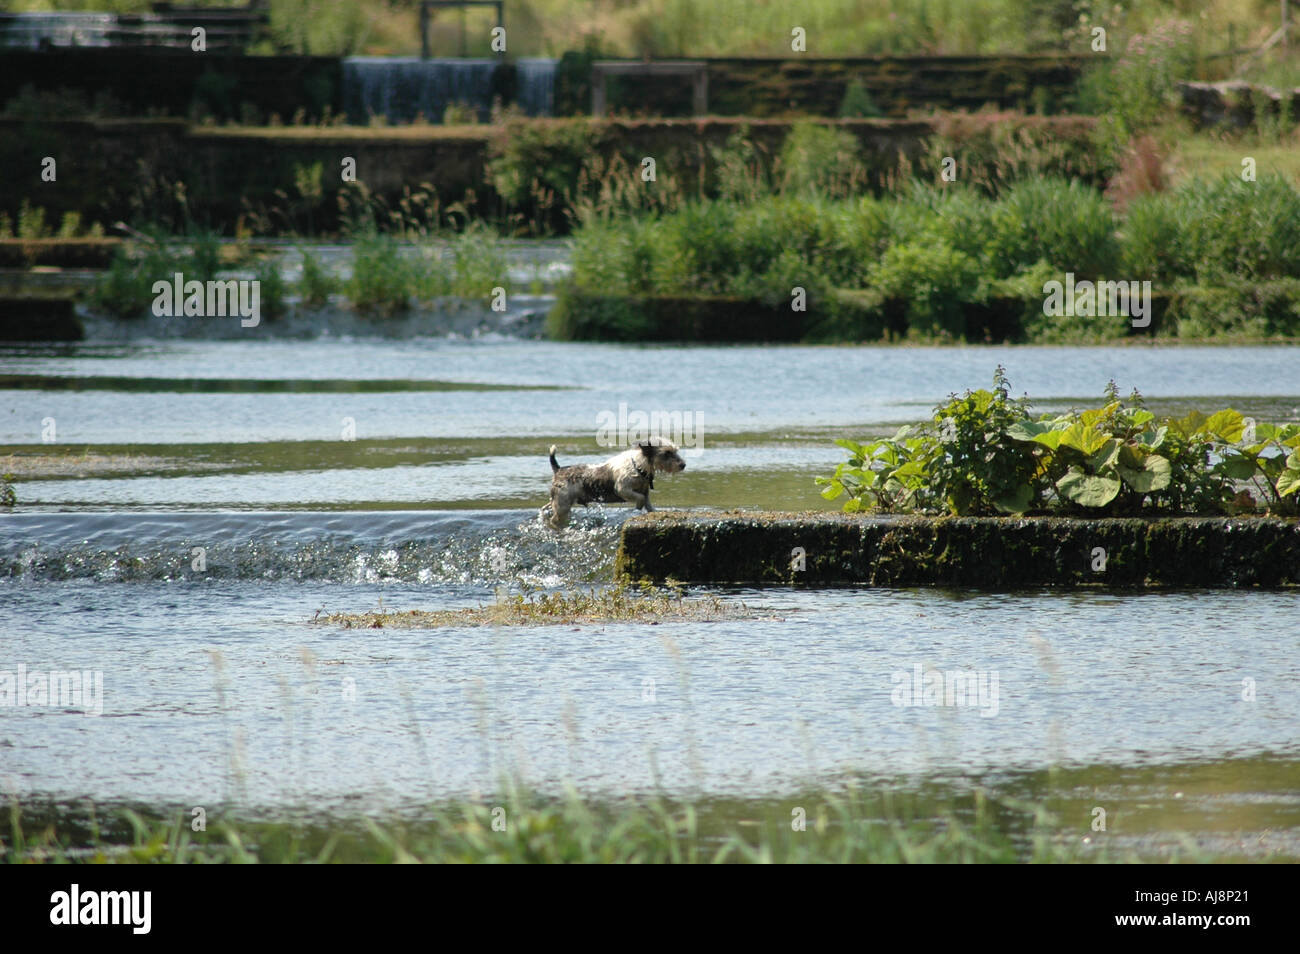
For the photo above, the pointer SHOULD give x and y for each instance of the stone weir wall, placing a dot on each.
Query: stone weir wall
(1001, 553)
(229, 86)
(1041, 82)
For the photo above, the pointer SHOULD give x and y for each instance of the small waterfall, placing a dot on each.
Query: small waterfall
(402, 88)
(536, 86)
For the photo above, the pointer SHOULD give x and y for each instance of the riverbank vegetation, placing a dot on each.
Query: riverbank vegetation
(1046, 817)
(1221, 257)
(387, 276)
(984, 453)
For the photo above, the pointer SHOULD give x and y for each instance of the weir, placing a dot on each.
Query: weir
(403, 89)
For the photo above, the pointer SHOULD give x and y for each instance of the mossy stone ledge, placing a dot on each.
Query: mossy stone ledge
(813, 548)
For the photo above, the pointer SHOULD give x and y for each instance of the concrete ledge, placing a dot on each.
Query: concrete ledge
(764, 548)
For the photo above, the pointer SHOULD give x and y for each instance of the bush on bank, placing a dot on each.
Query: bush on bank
(1222, 258)
(983, 453)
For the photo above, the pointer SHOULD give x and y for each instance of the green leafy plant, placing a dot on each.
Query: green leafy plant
(382, 283)
(982, 453)
(316, 284)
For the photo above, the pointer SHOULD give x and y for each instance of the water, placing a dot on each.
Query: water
(404, 88)
(201, 501)
(536, 82)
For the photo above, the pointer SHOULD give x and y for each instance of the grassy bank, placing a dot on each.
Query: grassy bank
(730, 27)
(1193, 812)
(1222, 257)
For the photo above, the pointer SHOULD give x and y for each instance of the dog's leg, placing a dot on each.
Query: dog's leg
(560, 507)
(638, 500)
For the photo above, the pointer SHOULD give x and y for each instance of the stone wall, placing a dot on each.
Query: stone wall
(1003, 553)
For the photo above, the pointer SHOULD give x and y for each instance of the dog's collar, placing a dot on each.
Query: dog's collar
(648, 478)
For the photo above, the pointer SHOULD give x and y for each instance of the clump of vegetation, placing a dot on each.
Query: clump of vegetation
(126, 287)
(934, 252)
(381, 282)
(8, 496)
(1137, 88)
(983, 453)
(386, 282)
(618, 604)
(272, 290)
(856, 825)
(857, 102)
(32, 224)
(817, 159)
(316, 284)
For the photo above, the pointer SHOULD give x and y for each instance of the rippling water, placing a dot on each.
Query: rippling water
(199, 504)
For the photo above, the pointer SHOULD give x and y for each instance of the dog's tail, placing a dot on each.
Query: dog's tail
(554, 463)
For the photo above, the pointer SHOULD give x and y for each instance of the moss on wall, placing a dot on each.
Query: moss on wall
(833, 549)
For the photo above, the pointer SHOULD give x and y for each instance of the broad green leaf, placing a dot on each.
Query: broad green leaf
(1106, 456)
(1190, 424)
(1027, 430)
(1084, 439)
(1154, 475)
(1153, 439)
(1288, 482)
(1088, 490)
(1140, 416)
(833, 490)
(1226, 425)
(1237, 468)
(1017, 502)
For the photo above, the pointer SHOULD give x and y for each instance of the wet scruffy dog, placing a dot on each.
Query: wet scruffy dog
(628, 477)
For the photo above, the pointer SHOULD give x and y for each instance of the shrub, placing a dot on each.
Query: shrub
(857, 102)
(273, 290)
(1138, 88)
(935, 281)
(382, 283)
(982, 453)
(821, 160)
(316, 284)
(480, 263)
(126, 287)
(1241, 229)
(1066, 224)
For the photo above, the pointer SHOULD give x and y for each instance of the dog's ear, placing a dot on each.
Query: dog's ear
(647, 448)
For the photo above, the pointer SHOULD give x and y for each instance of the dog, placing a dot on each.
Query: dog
(626, 477)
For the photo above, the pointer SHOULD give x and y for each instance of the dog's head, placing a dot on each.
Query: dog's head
(662, 455)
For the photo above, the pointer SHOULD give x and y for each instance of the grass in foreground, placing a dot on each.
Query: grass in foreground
(616, 605)
(852, 828)
(877, 825)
